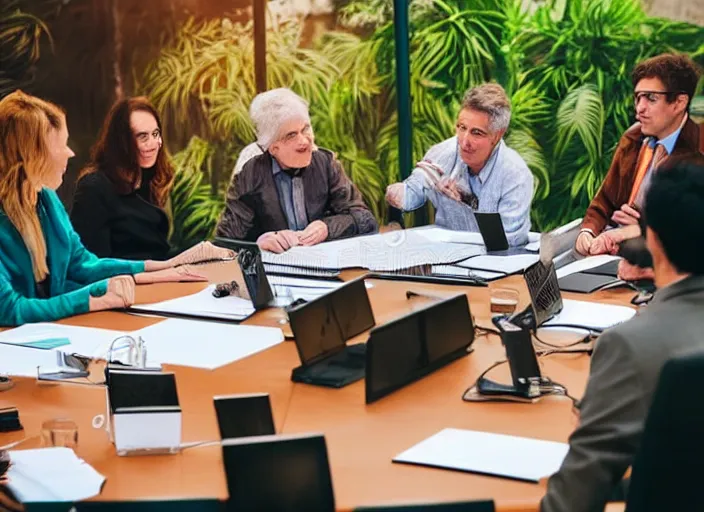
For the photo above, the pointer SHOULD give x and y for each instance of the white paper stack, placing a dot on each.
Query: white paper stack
(52, 474)
(590, 315)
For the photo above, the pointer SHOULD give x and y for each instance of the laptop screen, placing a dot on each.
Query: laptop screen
(545, 296)
(409, 348)
(322, 326)
(244, 415)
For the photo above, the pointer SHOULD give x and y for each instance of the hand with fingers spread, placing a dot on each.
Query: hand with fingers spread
(278, 241)
(316, 232)
(626, 216)
(432, 173)
(120, 294)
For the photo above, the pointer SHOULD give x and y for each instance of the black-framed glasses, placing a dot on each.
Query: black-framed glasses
(652, 96)
(143, 137)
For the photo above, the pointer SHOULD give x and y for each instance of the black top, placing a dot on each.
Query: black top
(119, 226)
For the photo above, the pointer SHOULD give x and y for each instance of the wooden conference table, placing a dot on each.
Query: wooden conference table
(361, 439)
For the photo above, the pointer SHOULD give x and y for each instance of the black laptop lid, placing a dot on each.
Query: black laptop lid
(410, 347)
(492, 231)
(244, 415)
(544, 289)
(322, 326)
(448, 328)
(282, 473)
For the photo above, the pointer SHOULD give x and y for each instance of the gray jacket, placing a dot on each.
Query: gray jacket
(624, 373)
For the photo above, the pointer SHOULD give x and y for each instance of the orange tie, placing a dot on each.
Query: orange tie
(647, 156)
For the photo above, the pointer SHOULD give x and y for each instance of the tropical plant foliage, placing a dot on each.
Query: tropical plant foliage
(565, 64)
(21, 34)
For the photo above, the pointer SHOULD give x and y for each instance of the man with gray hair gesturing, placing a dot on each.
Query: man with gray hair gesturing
(475, 171)
(294, 193)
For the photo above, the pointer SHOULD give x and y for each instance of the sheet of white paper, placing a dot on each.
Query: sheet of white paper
(203, 303)
(492, 454)
(585, 264)
(52, 474)
(87, 341)
(204, 344)
(592, 315)
(23, 361)
(507, 264)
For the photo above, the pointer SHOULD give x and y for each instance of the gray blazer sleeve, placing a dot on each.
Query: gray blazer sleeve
(611, 424)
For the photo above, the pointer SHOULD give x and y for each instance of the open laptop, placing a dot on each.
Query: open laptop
(321, 329)
(545, 296)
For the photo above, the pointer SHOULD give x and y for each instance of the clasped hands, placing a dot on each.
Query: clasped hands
(608, 241)
(281, 241)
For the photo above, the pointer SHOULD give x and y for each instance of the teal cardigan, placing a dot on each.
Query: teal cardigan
(75, 274)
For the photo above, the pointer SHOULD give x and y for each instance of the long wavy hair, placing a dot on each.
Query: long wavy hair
(25, 164)
(116, 154)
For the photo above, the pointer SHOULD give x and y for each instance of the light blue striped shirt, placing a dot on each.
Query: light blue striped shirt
(504, 185)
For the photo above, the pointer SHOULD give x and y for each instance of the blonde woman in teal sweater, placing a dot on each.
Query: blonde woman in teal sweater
(45, 272)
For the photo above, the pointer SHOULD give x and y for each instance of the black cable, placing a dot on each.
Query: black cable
(585, 339)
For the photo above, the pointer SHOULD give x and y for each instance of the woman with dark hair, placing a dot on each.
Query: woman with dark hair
(120, 199)
(45, 271)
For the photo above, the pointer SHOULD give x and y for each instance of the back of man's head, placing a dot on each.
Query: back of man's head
(674, 211)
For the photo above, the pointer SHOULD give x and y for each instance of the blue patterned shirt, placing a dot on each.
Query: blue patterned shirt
(504, 185)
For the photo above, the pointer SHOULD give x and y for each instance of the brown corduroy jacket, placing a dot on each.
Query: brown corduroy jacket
(616, 189)
(253, 206)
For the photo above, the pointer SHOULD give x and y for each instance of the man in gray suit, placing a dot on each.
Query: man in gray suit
(627, 360)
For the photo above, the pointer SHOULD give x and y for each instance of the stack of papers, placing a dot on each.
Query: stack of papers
(87, 341)
(590, 315)
(513, 457)
(202, 304)
(391, 251)
(193, 343)
(23, 362)
(52, 474)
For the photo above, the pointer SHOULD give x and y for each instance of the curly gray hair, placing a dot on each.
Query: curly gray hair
(270, 110)
(492, 99)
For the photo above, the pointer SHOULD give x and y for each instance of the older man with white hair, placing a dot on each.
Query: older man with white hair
(475, 171)
(294, 193)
